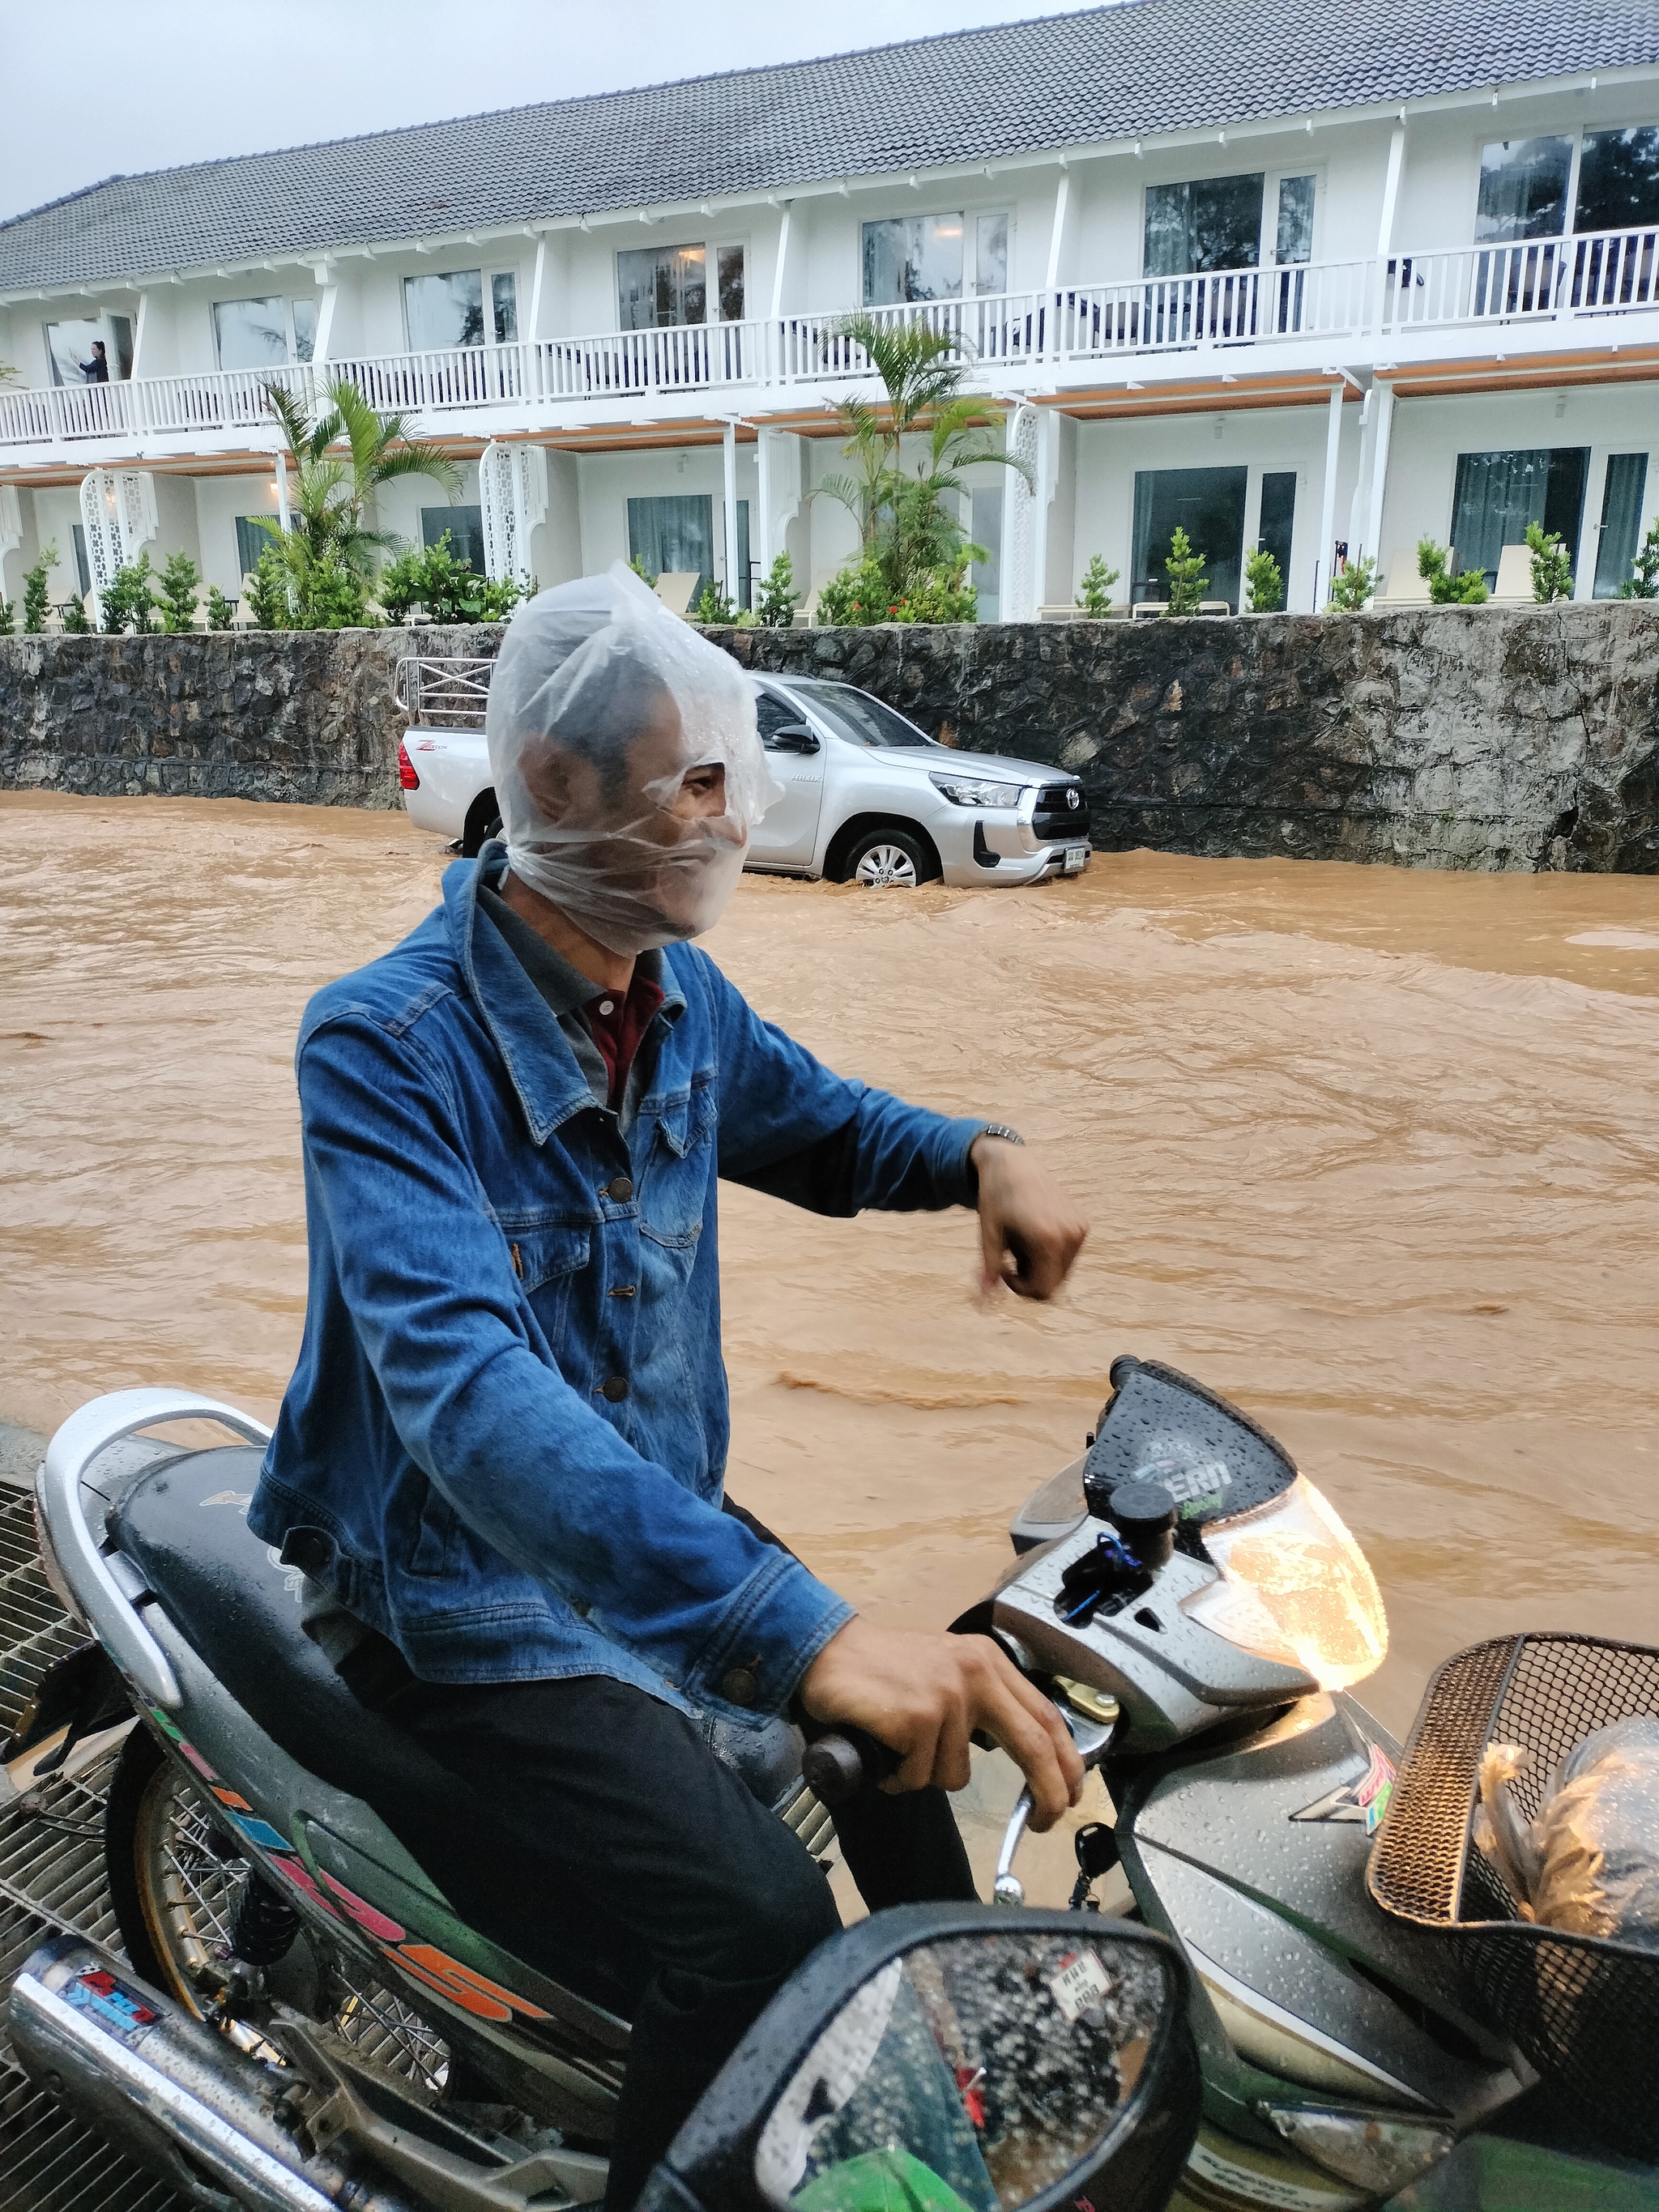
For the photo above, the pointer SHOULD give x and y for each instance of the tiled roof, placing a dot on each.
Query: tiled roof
(1135, 70)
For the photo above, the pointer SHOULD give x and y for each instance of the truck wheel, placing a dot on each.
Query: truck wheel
(484, 822)
(889, 859)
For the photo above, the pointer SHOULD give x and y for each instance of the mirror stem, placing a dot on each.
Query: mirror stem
(1008, 1888)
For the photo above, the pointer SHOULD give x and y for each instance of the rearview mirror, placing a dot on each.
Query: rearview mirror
(794, 738)
(953, 2059)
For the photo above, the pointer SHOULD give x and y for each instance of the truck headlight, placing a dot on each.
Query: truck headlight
(965, 791)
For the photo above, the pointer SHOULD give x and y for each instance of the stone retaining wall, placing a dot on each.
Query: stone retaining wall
(1456, 737)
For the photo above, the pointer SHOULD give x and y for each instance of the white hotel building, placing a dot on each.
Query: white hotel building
(1316, 276)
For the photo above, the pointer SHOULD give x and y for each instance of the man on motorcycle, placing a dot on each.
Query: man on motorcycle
(500, 1461)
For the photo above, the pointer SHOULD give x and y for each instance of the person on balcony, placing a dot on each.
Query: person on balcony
(500, 1462)
(96, 371)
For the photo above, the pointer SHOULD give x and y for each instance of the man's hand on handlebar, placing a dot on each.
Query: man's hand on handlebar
(924, 1697)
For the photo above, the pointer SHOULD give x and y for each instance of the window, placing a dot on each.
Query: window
(1497, 494)
(729, 272)
(745, 583)
(1208, 504)
(69, 349)
(857, 717)
(465, 528)
(265, 333)
(1618, 179)
(1293, 237)
(1621, 521)
(504, 307)
(991, 253)
(663, 285)
(82, 568)
(773, 713)
(1523, 190)
(674, 537)
(1273, 531)
(251, 542)
(444, 312)
(909, 258)
(1214, 223)
(985, 527)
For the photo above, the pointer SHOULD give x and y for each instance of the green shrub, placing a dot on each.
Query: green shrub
(777, 599)
(714, 608)
(266, 589)
(1351, 590)
(1466, 589)
(1642, 582)
(130, 600)
(858, 595)
(1094, 593)
(643, 573)
(37, 591)
(1552, 565)
(75, 624)
(178, 598)
(1185, 569)
(8, 617)
(1264, 583)
(220, 612)
(451, 591)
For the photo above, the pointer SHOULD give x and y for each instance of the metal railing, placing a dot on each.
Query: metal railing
(443, 691)
(1604, 273)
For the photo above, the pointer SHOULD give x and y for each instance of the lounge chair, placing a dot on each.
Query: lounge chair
(675, 590)
(1400, 584)
(1514, 588)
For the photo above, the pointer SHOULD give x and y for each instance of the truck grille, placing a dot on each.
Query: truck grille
(1062, 818)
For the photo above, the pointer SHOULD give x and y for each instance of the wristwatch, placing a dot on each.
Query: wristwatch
(1002, 1129)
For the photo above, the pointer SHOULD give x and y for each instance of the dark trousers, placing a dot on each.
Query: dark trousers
(594, 1834)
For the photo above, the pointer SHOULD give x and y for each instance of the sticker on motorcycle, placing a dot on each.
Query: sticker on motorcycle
(1364, 1802)
(1081, 1985)
(473, 1992)
(101, 1995)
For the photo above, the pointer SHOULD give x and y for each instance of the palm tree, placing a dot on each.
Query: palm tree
(906, 526)
(331, 491)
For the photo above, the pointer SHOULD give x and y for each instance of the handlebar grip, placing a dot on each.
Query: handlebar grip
(845, 1763)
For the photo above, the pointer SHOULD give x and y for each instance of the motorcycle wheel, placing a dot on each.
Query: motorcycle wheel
(175, 1875)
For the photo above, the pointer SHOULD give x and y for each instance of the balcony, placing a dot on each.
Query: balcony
(1071, 333)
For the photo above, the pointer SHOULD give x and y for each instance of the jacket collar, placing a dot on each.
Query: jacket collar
(542, 1068)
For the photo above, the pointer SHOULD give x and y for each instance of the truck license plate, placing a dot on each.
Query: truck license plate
(1077, 858)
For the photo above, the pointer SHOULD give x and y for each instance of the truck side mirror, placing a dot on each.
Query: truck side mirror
(960, 2058)
(792, 738)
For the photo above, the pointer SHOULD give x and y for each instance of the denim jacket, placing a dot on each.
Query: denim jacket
(504, 1443)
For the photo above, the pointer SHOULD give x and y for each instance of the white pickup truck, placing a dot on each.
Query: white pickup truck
(867, 797)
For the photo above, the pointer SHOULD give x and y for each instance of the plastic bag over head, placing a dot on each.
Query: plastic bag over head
(626, 763)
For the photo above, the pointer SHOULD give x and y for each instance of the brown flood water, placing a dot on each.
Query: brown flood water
(1372, 1151)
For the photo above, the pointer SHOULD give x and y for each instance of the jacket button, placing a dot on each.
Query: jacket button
(621, 1187)
(614, 1387)
(739, 1687)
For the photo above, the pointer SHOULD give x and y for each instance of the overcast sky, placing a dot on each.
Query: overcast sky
(93, 88)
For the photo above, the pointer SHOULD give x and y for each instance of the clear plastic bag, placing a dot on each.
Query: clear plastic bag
(601, 703)
(1589, 1862)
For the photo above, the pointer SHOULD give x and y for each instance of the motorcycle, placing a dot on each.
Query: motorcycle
(321, 2028)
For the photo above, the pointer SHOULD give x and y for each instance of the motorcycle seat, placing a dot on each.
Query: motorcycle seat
(184, 1524)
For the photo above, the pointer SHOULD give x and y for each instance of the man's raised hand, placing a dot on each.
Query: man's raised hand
(1029, 1231)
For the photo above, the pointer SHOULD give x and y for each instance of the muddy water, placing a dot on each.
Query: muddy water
(1372, 1151)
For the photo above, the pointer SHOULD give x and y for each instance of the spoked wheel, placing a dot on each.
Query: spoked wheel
(176, 1876)
(891, 860)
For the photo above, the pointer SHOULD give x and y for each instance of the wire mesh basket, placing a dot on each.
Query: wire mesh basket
(1583, 2010)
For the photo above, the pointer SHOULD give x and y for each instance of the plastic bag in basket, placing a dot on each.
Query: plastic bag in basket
(1589, 1863)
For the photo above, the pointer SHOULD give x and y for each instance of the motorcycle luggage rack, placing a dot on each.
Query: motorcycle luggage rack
(1583, 2010)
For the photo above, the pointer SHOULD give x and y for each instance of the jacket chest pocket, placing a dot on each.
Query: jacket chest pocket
(547, 1258)
(679, 1167)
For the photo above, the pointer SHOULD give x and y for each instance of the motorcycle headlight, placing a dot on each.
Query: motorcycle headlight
(1296, 1586)
(968, 791)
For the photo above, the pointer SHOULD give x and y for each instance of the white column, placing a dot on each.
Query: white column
(733, 579)
(1057, 233)
(1382, 402)
(1323, 560)
(325, 338)
(281, 488)
(780, 264)
(1385, 225)
(1020, 519)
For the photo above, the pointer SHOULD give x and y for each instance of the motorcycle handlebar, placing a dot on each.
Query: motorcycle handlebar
(845, 1763)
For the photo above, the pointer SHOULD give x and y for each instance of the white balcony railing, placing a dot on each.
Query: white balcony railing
(1556, 280)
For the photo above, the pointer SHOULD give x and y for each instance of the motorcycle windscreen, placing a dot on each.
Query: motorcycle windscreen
(1295, 1587)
